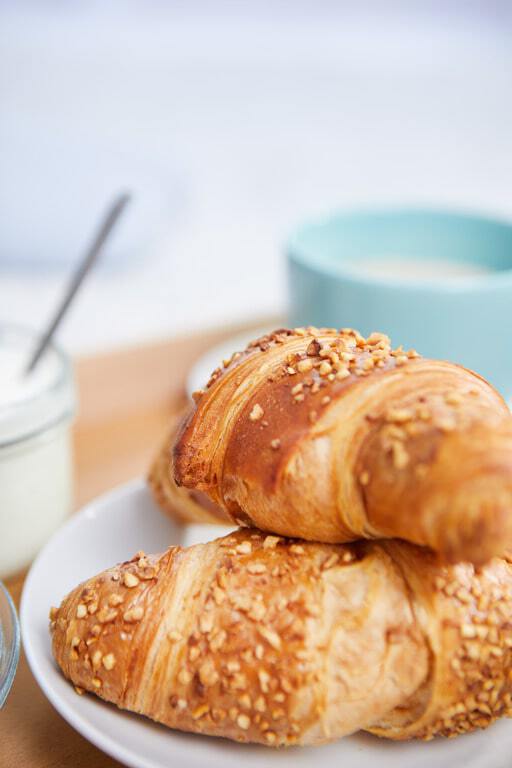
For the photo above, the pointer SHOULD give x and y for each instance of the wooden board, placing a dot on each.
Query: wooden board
(127, 400)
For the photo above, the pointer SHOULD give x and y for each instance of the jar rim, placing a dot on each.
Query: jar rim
(59, 387)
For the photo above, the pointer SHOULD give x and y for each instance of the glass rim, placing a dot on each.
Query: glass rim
(51, 389)
(12, 650)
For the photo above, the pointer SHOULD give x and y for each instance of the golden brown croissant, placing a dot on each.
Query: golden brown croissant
(180, 504)
(332, 437)
(270, 640)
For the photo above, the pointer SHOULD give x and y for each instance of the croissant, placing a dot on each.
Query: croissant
(180, 504)
(263, 639)
(329, 436)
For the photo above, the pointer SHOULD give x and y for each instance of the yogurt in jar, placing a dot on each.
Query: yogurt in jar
(36, 411)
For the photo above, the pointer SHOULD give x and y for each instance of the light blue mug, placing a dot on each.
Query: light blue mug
(438, 281)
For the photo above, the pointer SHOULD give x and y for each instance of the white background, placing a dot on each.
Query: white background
(231, 122)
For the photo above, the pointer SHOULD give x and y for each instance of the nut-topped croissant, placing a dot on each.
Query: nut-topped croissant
(180, 504)
(276, 641)
(330, 436)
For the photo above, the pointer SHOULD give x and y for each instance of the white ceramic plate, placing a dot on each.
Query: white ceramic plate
(112, 529)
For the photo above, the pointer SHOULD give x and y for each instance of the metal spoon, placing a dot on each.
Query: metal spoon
(83, 269)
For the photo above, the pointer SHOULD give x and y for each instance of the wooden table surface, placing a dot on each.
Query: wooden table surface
(127, 400)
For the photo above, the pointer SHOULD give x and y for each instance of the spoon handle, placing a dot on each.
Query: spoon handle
(78, 277)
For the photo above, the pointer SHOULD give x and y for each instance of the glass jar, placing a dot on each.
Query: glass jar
(9, 643)
(36, 466)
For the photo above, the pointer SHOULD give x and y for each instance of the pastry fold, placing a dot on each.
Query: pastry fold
(263, 639)
(183, 505)
(329, 436)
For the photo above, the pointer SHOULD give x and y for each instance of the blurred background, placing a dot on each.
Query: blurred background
(230, 122)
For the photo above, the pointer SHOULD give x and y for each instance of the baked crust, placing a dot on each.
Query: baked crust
(329, 436)
(263, 639)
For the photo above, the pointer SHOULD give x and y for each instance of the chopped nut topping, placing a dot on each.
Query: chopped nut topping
(364, 477)
(256, 412)
(109, 661)
(256, 568)
(201, 710)
(130, 580)
(297, 388)
(468, 631)
(259, 704)
(326, 400)
(243, 722)
(324, 368)
(194, 653)
(134, 614)
(218, 640)
(291, 370)
(208, 675)
(453, 398)
(184, 676)
(399, 415)
(75, 641)
(206, 622)
(96, 682)
(330, 561)
(115, 600)
(275, 444)
(271, 637)
(343, 373)
(79, 690)
(303, 366)
(264, 680)
(81, 611)
(400, 455)
(245, 548)
(423, 413)
(271, 542)
(270, 737)
(105, 615)
(313, 348)
(259, 651)
(297, 549)
(221, 578)
(258, 611)
(245, 701)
